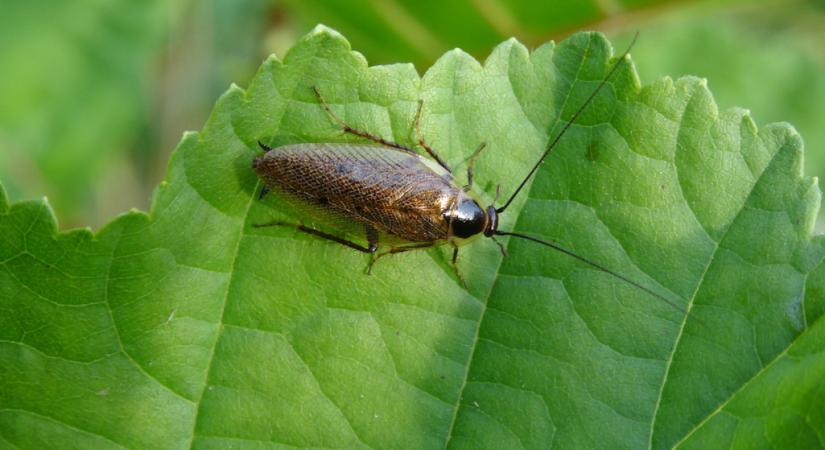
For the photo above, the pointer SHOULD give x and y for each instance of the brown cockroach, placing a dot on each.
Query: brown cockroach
(393, 195)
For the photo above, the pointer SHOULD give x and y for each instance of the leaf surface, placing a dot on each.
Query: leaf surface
(188, 327)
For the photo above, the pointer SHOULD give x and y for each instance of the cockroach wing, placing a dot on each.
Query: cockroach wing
(352, 186)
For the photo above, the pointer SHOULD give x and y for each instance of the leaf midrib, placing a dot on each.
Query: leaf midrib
(527, 190)
(741, 388)
(219, 323)
(699, 284)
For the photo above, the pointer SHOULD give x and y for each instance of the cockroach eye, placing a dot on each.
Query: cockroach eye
(468, 219)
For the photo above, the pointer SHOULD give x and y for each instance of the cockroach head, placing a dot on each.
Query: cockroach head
(492, 221)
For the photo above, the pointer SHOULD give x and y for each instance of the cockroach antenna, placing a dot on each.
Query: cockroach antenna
(572, 120)
(594, 264)
(535, 168)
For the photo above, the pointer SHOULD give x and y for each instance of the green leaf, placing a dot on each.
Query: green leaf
(790, 82)
(190, 327)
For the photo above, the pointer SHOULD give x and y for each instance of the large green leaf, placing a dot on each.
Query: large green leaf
(189, 327)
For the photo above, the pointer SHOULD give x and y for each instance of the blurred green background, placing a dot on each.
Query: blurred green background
(94, 94)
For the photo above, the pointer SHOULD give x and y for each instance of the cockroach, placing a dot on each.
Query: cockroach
(396, 197)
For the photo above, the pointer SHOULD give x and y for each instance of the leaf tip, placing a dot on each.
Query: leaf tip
(461, 55)
(325, 37)
(235, 89)
(49, 214)
(271, 59)
(136, 211)
(787, 134)
(627, 59)
(509, 46)
(511, 41)
(190, 135)
(322, 30)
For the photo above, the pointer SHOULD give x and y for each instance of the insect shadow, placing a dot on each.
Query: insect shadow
(395, 196)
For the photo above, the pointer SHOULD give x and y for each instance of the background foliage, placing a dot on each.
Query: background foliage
(95, 95)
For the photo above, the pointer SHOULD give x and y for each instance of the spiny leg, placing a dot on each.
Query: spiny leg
(455, 268)
(360, 133)
(373, 246)
(418, 246)
(265, 188)
(472, 161)
(401, 249)
(421, 141)
(500, 246)
(372, 240)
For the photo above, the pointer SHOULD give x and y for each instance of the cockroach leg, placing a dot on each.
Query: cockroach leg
(455, 268)
(301, 227)
(500, 246)
(424, 144)
(360, 133)
(399, 249)
(372, 238)
(472, 161)
(264, 191)
(264, 147)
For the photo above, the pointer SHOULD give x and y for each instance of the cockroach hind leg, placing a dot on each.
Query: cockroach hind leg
(274, 223)
(394, 250)
(344, 127)
(326, 107)
(264, 191)
(372, 241)
(420, 138)
(318, 233)
(376, 256)
(356, 132)
(373, 258)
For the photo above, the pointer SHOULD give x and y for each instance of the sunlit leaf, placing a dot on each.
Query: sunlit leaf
(187, 326)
